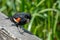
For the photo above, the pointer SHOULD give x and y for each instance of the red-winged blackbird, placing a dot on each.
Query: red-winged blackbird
(20, 18)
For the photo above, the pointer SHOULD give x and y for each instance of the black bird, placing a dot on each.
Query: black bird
(20, 18)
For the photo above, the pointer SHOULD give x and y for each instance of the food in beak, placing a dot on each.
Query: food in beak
(28, 20)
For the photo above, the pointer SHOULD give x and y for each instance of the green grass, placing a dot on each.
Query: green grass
(45, 16)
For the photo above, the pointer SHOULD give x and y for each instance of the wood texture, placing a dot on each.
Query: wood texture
(8, 31)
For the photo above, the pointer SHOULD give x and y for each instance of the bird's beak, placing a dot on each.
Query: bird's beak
(28, 20)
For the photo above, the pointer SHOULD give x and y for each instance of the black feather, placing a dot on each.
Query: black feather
(23, 16)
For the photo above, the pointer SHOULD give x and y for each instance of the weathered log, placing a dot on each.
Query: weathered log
(10, 32)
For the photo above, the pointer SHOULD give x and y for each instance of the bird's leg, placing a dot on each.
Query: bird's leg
(20, 29)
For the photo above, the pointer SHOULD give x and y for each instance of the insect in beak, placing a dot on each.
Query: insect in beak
(17, 19)
(28, 20)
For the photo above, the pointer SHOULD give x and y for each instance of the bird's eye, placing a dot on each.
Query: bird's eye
(28, 16)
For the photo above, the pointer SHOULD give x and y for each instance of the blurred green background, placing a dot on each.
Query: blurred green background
(45, 22)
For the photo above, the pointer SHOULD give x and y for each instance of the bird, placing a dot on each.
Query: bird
(20, 18)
